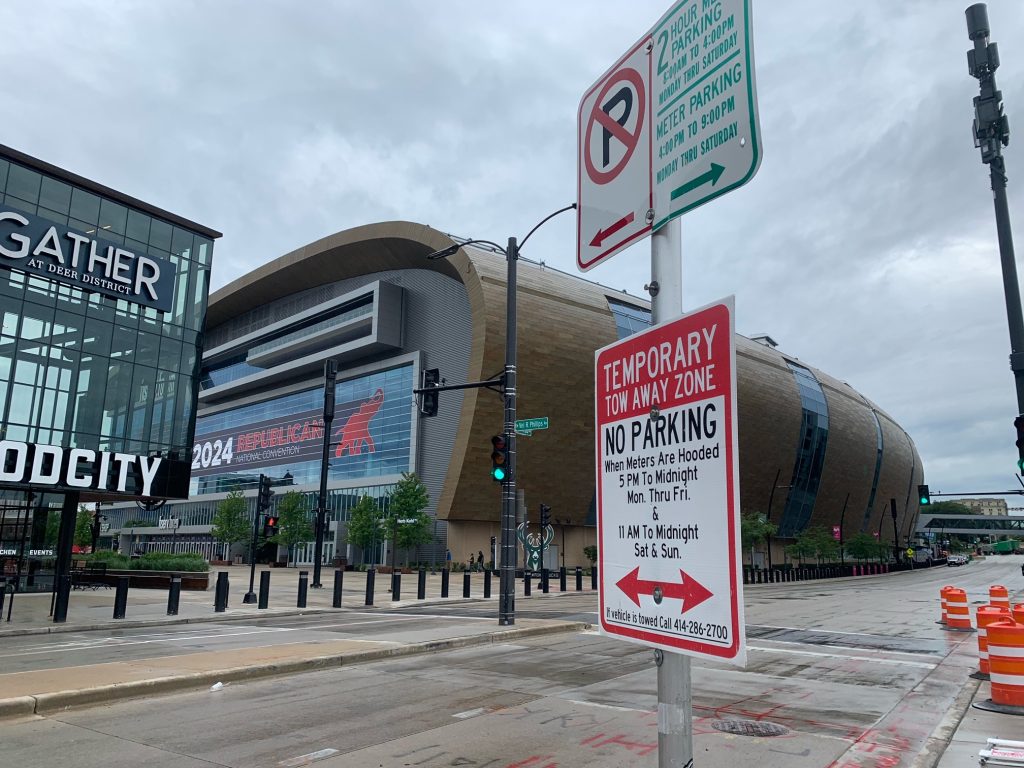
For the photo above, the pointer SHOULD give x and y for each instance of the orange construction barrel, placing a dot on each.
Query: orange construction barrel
(944, 605)
(987, 614)
(1018, 613)
(958, 614)
(1006, 662)
(999, 596)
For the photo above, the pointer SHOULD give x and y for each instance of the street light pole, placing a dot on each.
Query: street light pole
(507, 569)
(991, 133)
(330, 378)
(507, 572)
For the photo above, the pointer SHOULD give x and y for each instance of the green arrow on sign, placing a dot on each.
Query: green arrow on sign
(713, 175)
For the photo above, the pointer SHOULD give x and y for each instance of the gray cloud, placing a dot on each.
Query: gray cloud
(865, 245)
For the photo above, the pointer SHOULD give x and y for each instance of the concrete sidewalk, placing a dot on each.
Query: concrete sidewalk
(49, 690)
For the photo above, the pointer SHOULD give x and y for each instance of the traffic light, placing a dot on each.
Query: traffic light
(428, 401)
(499, 458)
(923, 495)
(1018, 424)
(545, 517)
(269, 526)
(263, 494)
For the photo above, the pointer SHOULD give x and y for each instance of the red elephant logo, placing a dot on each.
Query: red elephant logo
(355, 431)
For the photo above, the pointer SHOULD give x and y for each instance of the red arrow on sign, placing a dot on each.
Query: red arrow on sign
(611, 229)
(690, 591)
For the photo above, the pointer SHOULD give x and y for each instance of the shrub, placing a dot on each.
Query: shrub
(108, 557)
(165, 561)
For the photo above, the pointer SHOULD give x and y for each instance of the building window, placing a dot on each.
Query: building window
(629, 319)
(878, 470)
(810, 453)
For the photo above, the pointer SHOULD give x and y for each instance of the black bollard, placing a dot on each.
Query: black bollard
(593, 576)
(544, 580)
(371, 576)
(396, 586)
(445, 575)
(526, 583)
(303, 586)
(264, 599)
(173, 595)
(220, 595)
(487, 584)
(561, 579)
(579, 579)
(421, 585)
(465, 583)
(339, 575)
(121, 597)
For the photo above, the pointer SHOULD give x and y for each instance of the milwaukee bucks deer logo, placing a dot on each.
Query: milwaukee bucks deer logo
(533, 545)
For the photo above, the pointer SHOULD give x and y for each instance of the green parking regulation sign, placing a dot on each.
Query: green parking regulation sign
(706, 138)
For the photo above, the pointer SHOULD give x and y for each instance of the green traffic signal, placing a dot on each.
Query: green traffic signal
(924, 495)
(498, 473)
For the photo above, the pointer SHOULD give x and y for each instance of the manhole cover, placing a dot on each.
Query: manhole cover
(749, 728)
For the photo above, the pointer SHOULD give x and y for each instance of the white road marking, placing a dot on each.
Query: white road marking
(607, 706)
(470, 713)
(873, 660)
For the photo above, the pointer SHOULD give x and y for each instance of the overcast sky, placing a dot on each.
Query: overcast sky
(865, 246)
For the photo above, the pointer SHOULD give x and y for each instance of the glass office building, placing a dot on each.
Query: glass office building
(102, 305)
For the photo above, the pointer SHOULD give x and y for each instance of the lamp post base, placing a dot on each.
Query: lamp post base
(250, 597)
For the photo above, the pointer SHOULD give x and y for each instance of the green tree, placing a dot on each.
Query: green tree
(408, 524)
(861, 546)
(293, 523)
(364, 525)
(949, 508)
(590, 552)
(83, 527)
(816, 542)
(231, 521)
(755, 529)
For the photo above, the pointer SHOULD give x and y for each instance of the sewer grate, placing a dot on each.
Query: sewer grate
(749, 728)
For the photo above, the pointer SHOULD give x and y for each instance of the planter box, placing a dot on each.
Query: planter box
(190, 580)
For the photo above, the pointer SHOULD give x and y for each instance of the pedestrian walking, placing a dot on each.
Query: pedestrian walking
(471, 563)
(480, 559)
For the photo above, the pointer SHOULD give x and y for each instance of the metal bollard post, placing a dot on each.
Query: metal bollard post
(220, 595)
(561, 579)
(465, 583)
(544, 580)
(339, 575)
(579, 579)
(421, 585)
(264, 599)
(593, 576)
(487, 584)
(371, 576)
(526, 583)
(121, 597)
(303, 586)
(396, 586)
(445, 576)
(173, 595)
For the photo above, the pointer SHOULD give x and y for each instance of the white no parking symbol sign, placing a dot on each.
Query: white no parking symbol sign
(615, 192)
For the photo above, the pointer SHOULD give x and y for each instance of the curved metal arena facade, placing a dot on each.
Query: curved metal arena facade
(813, 451)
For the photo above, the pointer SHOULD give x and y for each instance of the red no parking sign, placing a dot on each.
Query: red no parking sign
(614, 164)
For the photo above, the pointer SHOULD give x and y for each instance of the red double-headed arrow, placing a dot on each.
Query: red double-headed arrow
(611, 229)
(690, 591)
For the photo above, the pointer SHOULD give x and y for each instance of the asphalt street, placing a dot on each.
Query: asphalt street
(846, 673)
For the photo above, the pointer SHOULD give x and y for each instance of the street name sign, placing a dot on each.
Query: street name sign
(671, 125)
(668, 487)
(526, 426)
(614, 192)
(706, 134)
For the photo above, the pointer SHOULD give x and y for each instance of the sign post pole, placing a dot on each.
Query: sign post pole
(675, 713)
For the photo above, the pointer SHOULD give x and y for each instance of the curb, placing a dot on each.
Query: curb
(61, 700)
